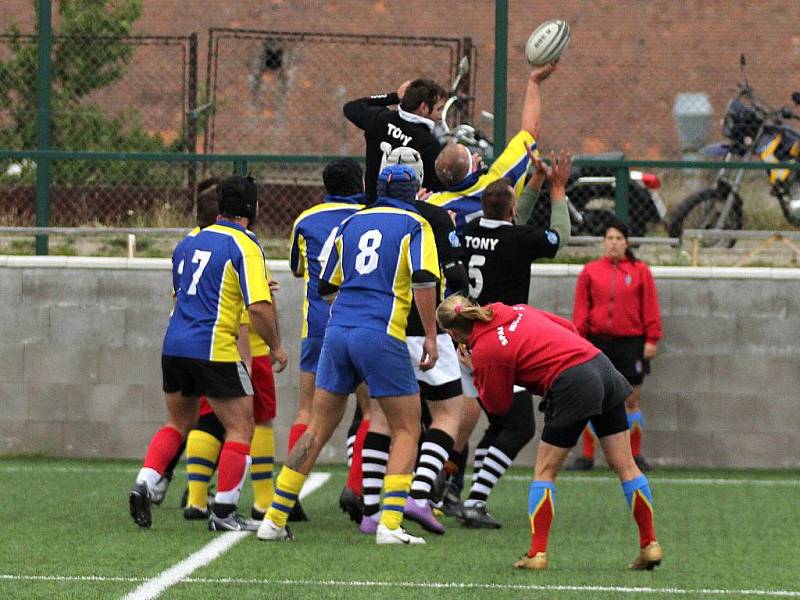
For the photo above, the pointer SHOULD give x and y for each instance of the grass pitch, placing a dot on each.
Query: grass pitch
(66, 534)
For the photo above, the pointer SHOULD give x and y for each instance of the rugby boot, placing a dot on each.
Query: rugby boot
(139, 504)
(451, 503)
(369, 524)
(581, 464)
(270, 532)
(538, 562)
(298, 514)
(351, 504)
(233, 522)
(422, 515)
(649, 557)
(477, 517)
(643, 465)
(384, 535)
(195, 513)
(256, 513)
(159, 492)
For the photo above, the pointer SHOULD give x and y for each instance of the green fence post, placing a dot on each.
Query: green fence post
(43, 76)
(240, 167)
(500, 74)
(622, 203)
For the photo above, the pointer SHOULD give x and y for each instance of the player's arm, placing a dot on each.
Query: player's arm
(449, 248)
(265, 321)
(296, 258)
(558, 176)
(362, 111)
(331, 275)
(494, 380)
(582, 304)
(530, 193)
(243, 344)
(531, 119)
(424, 275)
(651, 314)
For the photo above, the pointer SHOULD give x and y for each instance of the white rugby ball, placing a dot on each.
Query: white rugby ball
(547, 43)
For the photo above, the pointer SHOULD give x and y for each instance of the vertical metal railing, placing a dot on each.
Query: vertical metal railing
(43, 84)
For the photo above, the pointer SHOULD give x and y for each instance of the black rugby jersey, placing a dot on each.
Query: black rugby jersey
(498, 256)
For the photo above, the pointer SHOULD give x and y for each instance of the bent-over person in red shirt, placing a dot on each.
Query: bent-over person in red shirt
(524, 346)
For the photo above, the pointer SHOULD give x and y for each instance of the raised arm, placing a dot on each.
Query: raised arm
(531, 120)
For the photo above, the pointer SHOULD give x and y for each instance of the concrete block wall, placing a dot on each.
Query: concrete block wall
(80, 375)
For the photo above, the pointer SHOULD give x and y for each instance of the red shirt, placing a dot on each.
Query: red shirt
(523, 346)
(617, 298)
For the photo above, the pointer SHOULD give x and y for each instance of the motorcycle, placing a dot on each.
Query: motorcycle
(752, 128)
(591, 199)
(455, 124)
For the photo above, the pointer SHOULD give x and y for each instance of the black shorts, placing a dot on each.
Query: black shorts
(195, 377)
(593, 390)
(626, 354)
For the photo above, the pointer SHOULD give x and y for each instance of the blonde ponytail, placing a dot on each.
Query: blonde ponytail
(458, 312)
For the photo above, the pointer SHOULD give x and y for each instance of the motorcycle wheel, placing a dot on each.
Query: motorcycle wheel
(701, 210)
(789, 199)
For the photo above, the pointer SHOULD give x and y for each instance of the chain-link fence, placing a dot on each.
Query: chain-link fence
(634, 74)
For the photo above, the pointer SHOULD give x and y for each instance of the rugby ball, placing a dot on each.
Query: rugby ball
(547, 43)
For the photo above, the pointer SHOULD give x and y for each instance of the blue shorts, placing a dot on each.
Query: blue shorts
(351, 355)
(310, 349)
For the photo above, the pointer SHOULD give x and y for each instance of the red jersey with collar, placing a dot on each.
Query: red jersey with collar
(617, 298)
(523, 346)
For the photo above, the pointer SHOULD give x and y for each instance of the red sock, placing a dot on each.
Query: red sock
(588, 444)
(354, 476)
(162, 449)
(541, 521)
(643, 515)
(232, 466)
(295, 432)
(636, 439)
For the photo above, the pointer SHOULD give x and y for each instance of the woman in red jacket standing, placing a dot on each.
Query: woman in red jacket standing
(521, 345)
(616, 308)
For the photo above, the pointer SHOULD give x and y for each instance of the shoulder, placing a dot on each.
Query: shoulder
(235, 238)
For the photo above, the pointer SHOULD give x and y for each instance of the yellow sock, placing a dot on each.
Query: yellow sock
(262, 451)
(395, 492)
(287, 488)
(202, 452)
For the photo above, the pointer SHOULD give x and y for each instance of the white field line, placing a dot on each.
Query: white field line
(153, 588)
(590, 479)
(425, 585)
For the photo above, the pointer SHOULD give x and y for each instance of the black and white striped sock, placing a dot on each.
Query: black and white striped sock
(494, 465)
(435, 450)
(373, 467)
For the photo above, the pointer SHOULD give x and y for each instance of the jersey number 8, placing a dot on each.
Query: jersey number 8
(367, 259)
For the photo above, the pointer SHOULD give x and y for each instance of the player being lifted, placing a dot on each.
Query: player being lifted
(380, 256)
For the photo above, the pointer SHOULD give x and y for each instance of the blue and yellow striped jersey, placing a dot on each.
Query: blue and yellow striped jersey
(372, 259)
(312, 236)
(223, 271)
(512, 163)
(177, 259)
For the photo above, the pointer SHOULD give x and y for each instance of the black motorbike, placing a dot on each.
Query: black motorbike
(591, 193)
(753, 129)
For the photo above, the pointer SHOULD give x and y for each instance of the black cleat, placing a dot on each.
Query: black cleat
(643, 465)
(233, 522)
(581, 464)
(139, 504)
(352, 504)
(194, 513)
(439, 487)
(298, 514)
(477, 517)
(451, 503)
(209, 498)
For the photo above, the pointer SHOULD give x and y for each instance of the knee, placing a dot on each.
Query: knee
(407, 428)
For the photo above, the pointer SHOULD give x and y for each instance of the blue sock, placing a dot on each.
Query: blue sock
(640, 483)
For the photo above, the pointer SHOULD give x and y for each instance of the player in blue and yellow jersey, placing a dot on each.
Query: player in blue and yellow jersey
(312, 236)
(379, 258)
(463, 173)
(223, 272)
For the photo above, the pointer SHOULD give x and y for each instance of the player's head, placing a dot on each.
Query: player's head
(237, 197)
(403, 155)
(457, 315)
(615, 240)
(207, 207)
(456, 165)
(398, 182)
(424, 97)
(343, 177)
(498, 200)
